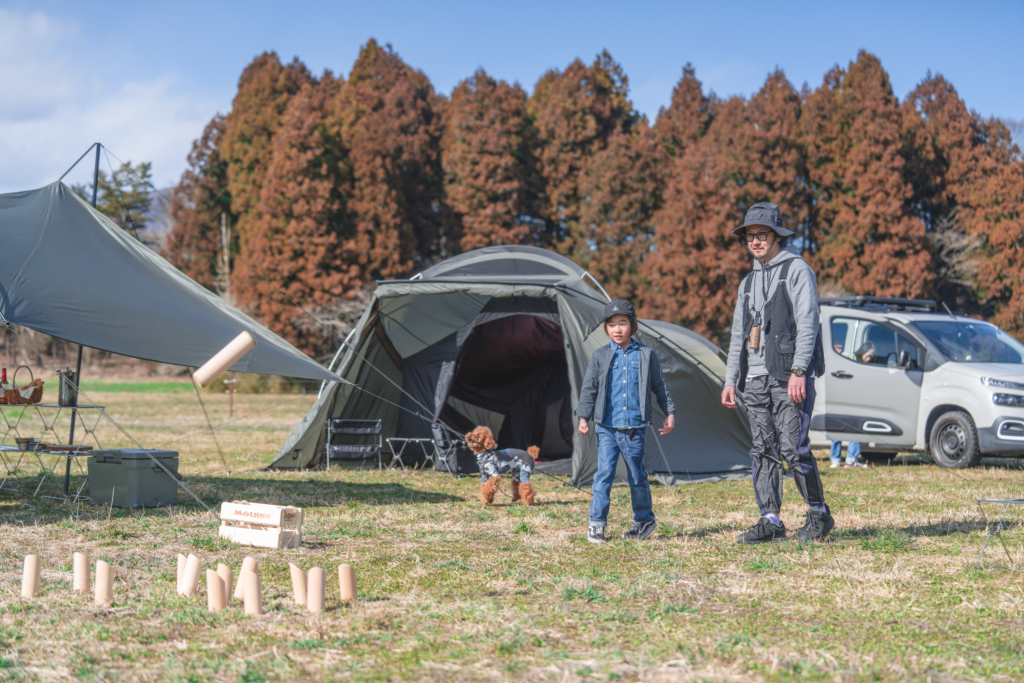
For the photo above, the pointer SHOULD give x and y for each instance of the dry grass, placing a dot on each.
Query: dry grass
(451, 591)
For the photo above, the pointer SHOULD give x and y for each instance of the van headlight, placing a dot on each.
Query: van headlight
(1010, 400)
(1002, 383)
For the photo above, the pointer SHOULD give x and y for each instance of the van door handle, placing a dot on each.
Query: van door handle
(842, 374)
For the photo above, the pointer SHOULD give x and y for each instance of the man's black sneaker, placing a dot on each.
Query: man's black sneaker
(817, 526)
(640, 530)
(763, 532)
(595, 534)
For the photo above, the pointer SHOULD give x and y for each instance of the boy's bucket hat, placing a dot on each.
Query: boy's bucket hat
(766, 214)
(618, 307)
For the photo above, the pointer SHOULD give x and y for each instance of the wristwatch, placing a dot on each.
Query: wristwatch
(798, 372)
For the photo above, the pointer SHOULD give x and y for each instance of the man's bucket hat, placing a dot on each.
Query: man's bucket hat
(766, 214)
(618, 307)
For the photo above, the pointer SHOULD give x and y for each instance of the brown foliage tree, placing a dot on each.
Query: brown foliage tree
(969, 165)
(692, 271)
(199, 200)
(264, 90)
(486, 166)
(723, 156)
(297, 252)
(620, 189)
(575, 112)
(388, 119)
(869, 241)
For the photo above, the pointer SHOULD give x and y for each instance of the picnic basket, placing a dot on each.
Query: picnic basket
(24, 395)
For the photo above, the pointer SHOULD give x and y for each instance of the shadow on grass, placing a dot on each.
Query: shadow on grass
(710, 530)
(18, 507)
(940, 528)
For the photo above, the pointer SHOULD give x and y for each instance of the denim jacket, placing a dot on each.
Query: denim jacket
(594, 390)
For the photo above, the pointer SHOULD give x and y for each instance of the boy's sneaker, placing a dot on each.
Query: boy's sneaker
(595, 534)
(763, 532)
(817, 526)
(640, 530)
(856, 464)
(835, 464)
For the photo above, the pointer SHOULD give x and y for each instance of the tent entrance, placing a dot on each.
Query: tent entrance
(512, 377)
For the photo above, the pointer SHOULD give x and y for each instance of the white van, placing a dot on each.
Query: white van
(900, 376)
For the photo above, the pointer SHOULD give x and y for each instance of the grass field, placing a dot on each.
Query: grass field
(452, 591)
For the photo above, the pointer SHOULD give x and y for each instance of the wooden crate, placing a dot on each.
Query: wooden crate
(262, 537)
(261, 525)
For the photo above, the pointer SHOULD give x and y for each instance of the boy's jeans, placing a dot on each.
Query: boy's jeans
(629, 442)
(852, 451)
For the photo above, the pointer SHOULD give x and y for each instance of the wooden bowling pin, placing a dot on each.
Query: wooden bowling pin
(224, 572)
(347, 582)
(252, 592)
(316, 590)
(216, 596)
(248, 564)
(80, 582)
(30, 577)
(298, 584)
(190, 579)
(181, 571)
(104, 594)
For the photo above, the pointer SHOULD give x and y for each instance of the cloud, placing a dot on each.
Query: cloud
(53, 108)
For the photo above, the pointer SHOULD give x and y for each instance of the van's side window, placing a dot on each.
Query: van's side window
(869, 343)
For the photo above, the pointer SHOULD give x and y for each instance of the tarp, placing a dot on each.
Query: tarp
(502, 336)
(68, 271)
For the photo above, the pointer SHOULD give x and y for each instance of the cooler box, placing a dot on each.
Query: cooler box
(133, 478)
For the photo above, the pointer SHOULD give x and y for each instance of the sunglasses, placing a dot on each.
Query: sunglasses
(760, 236)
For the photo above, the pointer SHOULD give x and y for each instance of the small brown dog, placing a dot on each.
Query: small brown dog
(493, 463)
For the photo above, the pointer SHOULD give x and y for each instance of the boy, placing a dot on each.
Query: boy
(616, 394)
(774, 354)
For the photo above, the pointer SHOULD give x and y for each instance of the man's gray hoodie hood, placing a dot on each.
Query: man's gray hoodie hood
(803, 289)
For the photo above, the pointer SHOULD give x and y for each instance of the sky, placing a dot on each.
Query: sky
(145, 78)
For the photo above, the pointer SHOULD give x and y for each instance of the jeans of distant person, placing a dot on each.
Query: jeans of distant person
(630, 443)
(852, 452)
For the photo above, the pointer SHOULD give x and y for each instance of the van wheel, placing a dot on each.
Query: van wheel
(954, 441)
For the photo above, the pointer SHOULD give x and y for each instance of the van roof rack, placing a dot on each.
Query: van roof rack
(878, 303)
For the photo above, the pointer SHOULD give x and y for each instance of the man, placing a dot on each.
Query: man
(774, 354)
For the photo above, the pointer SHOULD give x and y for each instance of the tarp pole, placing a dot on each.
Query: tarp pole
(78, 365)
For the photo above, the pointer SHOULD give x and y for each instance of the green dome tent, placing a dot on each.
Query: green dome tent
(502, 336)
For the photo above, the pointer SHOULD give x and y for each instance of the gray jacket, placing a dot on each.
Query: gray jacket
(593, 391)
(803, 289)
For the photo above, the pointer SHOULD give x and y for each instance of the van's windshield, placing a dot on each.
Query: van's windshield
(972, 342)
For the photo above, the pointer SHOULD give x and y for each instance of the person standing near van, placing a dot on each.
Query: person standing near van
(774, 354)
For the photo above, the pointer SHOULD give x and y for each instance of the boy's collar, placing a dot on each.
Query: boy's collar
(632, 343)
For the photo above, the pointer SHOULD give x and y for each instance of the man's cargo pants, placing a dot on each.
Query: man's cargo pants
(779, 429)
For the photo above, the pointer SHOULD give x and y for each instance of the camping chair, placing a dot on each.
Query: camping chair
(362, 430)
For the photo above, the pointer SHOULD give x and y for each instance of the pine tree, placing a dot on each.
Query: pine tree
(199, 206)
(388, 119)
(692, 271)
(766, 156)
(969, 165)
(870, 240)
(124, 196)
(574, 113)
(298, 246)
(264, 90)
(620, 189)
(486, 163)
